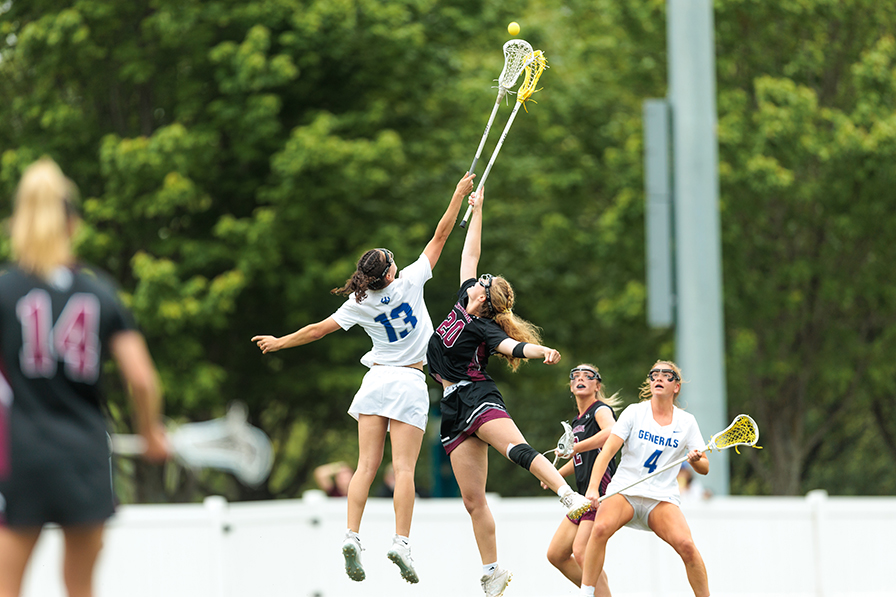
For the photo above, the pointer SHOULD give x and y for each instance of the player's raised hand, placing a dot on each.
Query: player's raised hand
(465, 184)
(551, 356)
(267, 343)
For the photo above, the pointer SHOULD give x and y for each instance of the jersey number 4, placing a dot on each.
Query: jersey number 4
(73, 339)
(650, 463)
(402, 312)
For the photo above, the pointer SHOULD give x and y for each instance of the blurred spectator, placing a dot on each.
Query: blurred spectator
(689, 486)
(387, 488)
(334, 478)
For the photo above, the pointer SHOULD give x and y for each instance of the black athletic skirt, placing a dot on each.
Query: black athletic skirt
(466, 408)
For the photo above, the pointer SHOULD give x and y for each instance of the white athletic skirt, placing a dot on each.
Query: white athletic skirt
(398, 393)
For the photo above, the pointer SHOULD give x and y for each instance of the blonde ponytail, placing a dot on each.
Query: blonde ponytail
(40, 231)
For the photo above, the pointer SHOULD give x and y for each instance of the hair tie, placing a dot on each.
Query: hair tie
(506, 311)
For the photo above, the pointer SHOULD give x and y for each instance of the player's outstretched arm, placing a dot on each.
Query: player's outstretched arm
(306, 335)
(433, 250)
(469, 257)
(611, 446)
(530, 351)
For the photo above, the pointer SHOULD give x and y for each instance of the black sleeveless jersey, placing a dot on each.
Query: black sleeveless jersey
(461, 345)
(583, 427)
(53, 340)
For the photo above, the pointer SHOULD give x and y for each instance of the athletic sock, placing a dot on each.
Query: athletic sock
(403, 539)
(587, 591)
(489, 569)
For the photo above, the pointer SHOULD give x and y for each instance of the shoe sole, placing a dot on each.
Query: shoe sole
(352, 564)
(509, 578)
(406, 573)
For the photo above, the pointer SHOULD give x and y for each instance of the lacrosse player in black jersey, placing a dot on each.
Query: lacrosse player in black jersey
(474, 417)
(58, 320)
(591, 427)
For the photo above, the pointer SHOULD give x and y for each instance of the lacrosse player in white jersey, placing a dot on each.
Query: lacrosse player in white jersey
(651, 433)
(393, 396)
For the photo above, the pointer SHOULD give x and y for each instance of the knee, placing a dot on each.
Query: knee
(557, 556)
(687, 549)
(578, 553)
(601, 532)
(368, 466)
(475, 503)
(522, 454)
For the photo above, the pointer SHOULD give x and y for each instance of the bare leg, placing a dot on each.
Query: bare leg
(371, 441)
(668, 522)
(470, 463)
(612, 515)
(406, 441)
(15, 550)
(560, 552)
(82, 548)
(500, 433)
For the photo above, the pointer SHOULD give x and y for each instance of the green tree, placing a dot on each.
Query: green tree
(235, 159)
(807, 145)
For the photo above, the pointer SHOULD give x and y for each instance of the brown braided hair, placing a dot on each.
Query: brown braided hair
(370, 274)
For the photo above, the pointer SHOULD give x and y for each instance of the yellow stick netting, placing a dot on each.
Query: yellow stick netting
(742, 432)
(533, 72)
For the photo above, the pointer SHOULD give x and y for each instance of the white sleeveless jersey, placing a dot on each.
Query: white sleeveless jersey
(649, 446)
(394, 317)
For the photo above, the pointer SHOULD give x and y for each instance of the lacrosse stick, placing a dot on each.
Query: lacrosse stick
(516, 52)
(564, 444)
(743, 431)
(228, 443)
(535, 65)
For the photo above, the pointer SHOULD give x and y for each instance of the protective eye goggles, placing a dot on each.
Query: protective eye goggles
(389, 261)
(669, 374)
(485, 280)
(589, 373)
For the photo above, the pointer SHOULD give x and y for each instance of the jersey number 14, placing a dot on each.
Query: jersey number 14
(73, 339)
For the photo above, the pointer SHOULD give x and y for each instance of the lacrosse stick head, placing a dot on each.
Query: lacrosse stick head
(230, 444)
(535, 65)
(516, 55)
(253, 446)
(743, 431)
(566, 441)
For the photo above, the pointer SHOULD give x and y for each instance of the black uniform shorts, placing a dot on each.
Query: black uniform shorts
(66, 491)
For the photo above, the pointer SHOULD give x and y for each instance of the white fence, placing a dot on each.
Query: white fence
(771, 547)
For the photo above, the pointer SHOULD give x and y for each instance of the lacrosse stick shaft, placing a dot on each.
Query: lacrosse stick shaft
(650, 476)
(491, 161)
(488, 127)
(128, 445)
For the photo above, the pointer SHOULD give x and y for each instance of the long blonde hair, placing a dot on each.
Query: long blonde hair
(644, 391)
(500, 308)
(40, 230)
(613, 401)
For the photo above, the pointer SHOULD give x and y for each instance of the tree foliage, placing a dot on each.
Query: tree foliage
(235, 159)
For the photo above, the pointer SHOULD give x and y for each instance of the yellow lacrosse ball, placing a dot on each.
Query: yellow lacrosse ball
(513, 28)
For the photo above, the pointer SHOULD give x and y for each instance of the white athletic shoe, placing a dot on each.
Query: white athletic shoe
(351, 549)
(576, 504)
(400, 554)
(494, 584)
